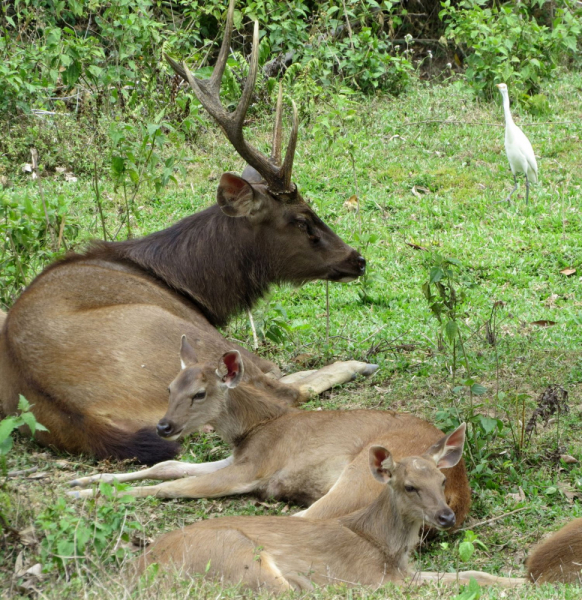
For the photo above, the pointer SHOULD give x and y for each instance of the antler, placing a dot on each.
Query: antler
(277, 176)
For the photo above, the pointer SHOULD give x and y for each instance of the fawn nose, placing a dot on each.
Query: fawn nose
(165, 428)
(446, 518)
(362, 264)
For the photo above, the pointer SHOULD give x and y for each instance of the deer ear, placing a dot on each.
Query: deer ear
(231, 368)
(236, 197)
(187, 355)
(381, 463)
(447, 452)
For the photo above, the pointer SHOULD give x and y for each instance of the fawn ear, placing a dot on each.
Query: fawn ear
(187, 355)
(447, 452)
(236, 197)
(381, 463)
(231, 369)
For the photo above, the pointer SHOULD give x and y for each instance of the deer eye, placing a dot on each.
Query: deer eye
(199, 396)
(444, 482)
(301, 224)
(410, 489)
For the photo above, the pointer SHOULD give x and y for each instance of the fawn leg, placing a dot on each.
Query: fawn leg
(233, 479)
(170, 469)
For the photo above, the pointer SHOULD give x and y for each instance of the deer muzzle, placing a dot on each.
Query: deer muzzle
(168, 430)
(352, 268)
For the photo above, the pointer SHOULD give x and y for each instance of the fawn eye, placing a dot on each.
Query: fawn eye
(199, 396)
(410, 489)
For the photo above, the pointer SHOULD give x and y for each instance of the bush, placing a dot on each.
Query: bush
(99, 533)
(64, 54)
(25, 231)
(510, 42)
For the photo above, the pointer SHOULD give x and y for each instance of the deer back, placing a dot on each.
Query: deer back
(559, 558)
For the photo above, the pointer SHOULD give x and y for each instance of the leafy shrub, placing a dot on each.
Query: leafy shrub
(509, 42)
(98, 533)
(110, 51)
(362, 61)
(13, 422)
(7, 427)
(25, 231)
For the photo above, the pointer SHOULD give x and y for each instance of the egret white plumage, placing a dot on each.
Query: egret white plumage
(518, 148)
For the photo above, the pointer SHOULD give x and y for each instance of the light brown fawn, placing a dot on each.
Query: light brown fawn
(370, 546)
(559, 558)
(90, 341)
(279, 452)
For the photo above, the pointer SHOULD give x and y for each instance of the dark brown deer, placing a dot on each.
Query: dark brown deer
(368, 547)
(90, 342)
(279, 452)
(559, 558)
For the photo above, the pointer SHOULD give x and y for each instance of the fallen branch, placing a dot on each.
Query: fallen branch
(495, 518)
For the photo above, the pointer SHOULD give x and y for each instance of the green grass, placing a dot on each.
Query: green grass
(452, 147)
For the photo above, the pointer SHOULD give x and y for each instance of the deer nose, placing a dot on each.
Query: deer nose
(362, 264)
(446, 518)
(165, 428)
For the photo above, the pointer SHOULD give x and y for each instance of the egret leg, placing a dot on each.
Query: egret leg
(526, 190)
(513, 190)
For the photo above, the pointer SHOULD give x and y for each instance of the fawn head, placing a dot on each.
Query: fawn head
(199, 393)
(416, 482)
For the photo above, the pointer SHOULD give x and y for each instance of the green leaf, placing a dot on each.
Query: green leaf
(152, 128)
(29, 419)
(72, 73)
(488, 424)
(436, 274)
(237, 18)
(106, 489)
(451, 330)
(466, 550)
(118, 165)
(6, 446)
(478, 389)
(23, 403)
(7, 426)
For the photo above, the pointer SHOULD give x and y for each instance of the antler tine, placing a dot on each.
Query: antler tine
(277, 130)
(243, 105)
(208, 93)
(287, 167)
(216, 77)
(176, 67)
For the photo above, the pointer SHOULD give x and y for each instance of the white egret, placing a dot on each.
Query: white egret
(518, 148)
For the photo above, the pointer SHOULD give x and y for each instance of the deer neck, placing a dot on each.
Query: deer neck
(245, 409)
(382, 524)
(217, 261)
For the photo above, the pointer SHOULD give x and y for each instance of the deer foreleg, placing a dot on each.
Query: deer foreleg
(466, 576)
(334, 374)
(170, 469)
(293, 378)
(233, 479)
